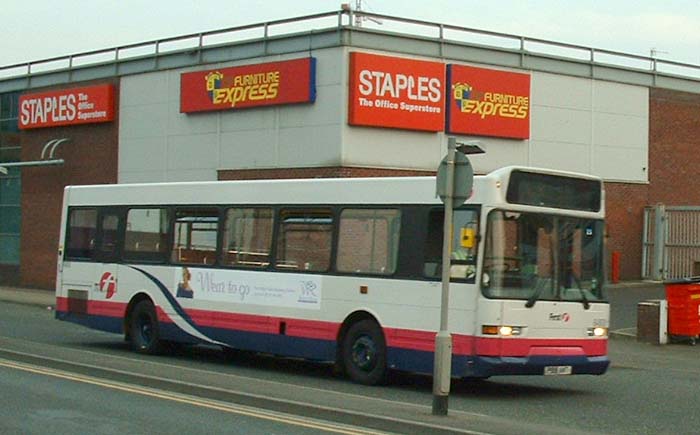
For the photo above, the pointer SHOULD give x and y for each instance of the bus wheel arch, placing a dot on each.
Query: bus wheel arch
(141, 328)
(362, 351)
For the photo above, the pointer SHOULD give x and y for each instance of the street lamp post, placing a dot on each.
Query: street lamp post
(454, 185)
(442, 368)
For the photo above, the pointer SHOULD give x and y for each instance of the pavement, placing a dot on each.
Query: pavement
(27, 296)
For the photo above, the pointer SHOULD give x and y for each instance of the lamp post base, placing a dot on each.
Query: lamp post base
(440, 405)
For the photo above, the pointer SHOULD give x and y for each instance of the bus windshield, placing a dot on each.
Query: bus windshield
(534, 256)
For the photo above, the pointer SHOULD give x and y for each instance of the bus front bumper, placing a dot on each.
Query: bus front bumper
(486, 366)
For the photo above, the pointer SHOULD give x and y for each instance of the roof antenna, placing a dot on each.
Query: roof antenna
(359, 17)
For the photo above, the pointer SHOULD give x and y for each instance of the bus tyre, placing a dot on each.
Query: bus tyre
(364, 353)
(143, 329)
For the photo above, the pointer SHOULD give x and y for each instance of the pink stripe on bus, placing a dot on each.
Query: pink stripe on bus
(395, 337)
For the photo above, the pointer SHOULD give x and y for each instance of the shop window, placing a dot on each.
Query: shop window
(368, 241)
(247, 237)
(10, 183)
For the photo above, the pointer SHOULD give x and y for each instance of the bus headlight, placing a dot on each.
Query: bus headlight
(598, 332)
(503, 330)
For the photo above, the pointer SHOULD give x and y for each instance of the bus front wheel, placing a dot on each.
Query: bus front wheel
(143, 329)
(364, 353)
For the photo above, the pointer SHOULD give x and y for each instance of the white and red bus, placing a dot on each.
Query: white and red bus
(346, 270)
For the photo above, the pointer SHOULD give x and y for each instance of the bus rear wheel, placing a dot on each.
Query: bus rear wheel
(143, 329)
(364, 353)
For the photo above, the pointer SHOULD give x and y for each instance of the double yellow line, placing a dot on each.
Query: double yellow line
(190, 400)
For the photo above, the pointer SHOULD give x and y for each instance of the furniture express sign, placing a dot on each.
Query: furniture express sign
(396, 92)
(487, 102)
(85, 105)
(265, 84)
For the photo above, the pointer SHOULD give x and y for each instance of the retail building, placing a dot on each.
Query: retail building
(339, 100)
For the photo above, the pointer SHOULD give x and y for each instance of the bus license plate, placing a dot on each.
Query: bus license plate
(557, 370)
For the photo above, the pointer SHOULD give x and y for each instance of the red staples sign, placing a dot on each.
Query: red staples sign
(488, 102)
(84, 105)
(264, 84)
(396, 92)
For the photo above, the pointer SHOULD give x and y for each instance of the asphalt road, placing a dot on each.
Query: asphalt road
(37, 400)
(648, 390)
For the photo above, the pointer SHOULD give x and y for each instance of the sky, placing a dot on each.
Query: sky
(41, 29)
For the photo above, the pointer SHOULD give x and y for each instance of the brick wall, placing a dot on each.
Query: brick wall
(674, 165)
(91, 157)
(323, 172)
(674, 147)
(624, 220)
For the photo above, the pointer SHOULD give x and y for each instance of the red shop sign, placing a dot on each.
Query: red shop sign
(488, 102)
(86, 105)
(396, 92)
(263, 84)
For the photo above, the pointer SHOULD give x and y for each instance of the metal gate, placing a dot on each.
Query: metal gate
(671, 242)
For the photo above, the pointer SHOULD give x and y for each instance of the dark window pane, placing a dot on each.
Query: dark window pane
(82, 228)
(9, 249)
(248, 237)
(10, 188)
(304, 240)
(368, 241)
(10, 219)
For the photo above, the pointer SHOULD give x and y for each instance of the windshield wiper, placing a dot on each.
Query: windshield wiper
(584, 299)
(536, 294)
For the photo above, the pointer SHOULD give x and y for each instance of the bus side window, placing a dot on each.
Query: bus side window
(368, 241)
(464, 244)
(81, 233)
(194, 236)
(247, 237)
(304, 240)
(146, 234)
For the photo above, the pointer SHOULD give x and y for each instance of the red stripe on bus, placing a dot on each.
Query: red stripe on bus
(107, 309)
(425, 340)
(61, 304)
(397, 338)
(265, 324)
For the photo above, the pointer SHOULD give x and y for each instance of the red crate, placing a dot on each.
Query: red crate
(683, 308)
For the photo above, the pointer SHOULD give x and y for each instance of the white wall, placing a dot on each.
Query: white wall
(577, 124)
(158, 143)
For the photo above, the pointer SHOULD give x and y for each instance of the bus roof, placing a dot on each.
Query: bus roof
(376, 190)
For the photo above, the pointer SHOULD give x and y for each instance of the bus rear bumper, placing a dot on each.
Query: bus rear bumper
(483, 367)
